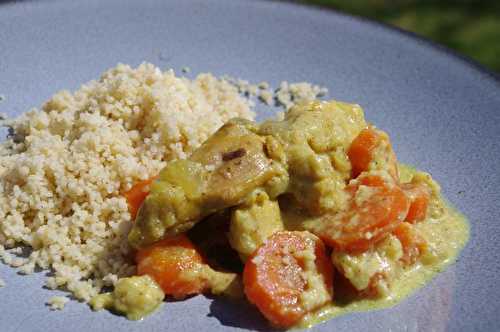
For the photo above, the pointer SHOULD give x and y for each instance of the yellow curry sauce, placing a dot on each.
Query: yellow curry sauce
(301, 174)
(135, 297)
(448, 233)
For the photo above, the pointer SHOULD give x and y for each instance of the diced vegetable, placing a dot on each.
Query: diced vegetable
(378, 205)
(419, 196)
(175, 264)
(288, 276)
(372, 150)
(136, 195)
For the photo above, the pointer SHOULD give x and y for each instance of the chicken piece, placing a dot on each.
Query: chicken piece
(303, 155)
(314, 138)
(253, 222)
(220, 174)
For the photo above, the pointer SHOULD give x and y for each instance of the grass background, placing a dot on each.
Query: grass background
(471, 27)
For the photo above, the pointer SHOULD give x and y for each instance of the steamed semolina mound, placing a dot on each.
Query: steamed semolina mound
(64, 168)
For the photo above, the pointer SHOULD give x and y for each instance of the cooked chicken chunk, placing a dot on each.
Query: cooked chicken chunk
(220, 174)
(314, 140)
(253, 222)
(303, 155)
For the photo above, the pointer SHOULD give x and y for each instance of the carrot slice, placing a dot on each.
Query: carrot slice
(136, 195)
(363, 150)
(419, 196)
(413, 244)
(275, 279)
(175, 264)
(377, 206)
(360, 151)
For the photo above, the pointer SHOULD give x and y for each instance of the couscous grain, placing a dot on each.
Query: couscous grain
(64, 167)
(57, 302)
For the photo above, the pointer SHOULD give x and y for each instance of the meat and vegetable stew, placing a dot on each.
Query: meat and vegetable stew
(305, 217)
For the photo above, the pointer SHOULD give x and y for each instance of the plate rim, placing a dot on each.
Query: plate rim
(465, 59)
(477, 68)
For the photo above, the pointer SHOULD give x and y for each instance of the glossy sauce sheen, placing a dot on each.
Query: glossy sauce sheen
(449, 233)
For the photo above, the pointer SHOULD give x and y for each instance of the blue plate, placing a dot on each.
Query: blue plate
(443, 114)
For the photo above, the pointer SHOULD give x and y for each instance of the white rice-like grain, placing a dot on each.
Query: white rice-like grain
(57, 302)
(63, 171)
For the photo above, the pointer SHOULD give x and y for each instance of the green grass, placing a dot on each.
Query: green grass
(467, 26)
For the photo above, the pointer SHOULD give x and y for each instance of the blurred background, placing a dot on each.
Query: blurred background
(470, 27)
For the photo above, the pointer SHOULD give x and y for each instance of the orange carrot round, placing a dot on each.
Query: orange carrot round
(367, 220)
(175, 264)
(274, 280)
(136, 195)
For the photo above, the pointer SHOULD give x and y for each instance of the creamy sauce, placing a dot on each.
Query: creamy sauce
(308, 158)
(447, 234)
(135, 297)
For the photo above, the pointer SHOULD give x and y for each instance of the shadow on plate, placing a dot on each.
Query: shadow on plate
(240, 314)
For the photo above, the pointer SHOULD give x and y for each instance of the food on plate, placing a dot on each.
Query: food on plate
(144, 186)
(135, 297)
(316, 192)
(252, 222)
(278, 157)
(220, 174)
(288, 276)
(178, 268)
(64, 168)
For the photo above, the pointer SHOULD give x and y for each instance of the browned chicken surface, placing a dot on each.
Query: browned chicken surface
(304, 155)
(221, 173)
(283, 206)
